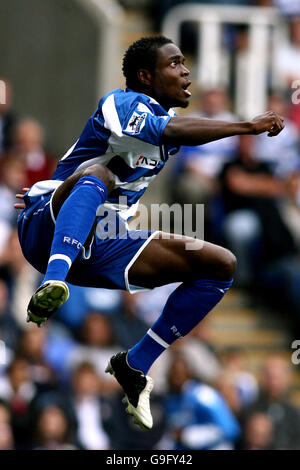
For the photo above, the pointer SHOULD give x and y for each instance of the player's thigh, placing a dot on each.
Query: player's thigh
(64, 190)
(173, 259)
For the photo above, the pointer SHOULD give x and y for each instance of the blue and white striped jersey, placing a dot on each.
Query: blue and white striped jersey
(125, 135)
(202, 415)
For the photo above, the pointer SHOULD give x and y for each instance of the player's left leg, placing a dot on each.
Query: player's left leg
(74, 208)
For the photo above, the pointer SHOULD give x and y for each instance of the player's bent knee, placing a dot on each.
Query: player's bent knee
(228, 264)
(103, 173)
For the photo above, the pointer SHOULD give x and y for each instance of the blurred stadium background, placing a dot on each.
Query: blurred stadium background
(58, 57)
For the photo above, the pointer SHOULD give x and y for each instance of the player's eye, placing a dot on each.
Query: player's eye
(176, 62)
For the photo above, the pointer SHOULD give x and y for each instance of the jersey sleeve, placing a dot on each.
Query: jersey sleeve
(142, 124)
(132, 124)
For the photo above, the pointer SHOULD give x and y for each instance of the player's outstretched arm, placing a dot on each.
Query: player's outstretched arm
(197, 131)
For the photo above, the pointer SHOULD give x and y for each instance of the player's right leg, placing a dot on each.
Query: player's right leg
(74, 207)
(206, 275)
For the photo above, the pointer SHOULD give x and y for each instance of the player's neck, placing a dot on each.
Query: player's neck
(149, 92)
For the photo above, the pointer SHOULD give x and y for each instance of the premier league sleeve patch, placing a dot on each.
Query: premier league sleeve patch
(136, 123)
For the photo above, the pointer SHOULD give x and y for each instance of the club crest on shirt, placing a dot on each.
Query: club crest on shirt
(136, 123)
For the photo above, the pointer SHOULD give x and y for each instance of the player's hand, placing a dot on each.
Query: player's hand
(20, 205)
(269, 122)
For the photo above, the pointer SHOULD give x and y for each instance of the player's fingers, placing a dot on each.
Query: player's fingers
(20, 196)
(25, 189)
(279, 123)
(276, 126)
(19, 206)
(274, 133)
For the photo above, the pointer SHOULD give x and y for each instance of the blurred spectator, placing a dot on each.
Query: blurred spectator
(282, 154)
(7, 117)
(12, 257)
(234, 361)
(103, 300)
(21, 277)
(197, 351)
(47, 350)
(128, 327)
(17, 386)
(288, 8)
(124, 434)
(53, 430)
(287, 56)
(257, 233)
(226, 385)
(32, 347)
(250, 195)
(97, 347)
(12, 179)
(87, 406)
(273, 401)
(198, 167)
(6, 432)
(9, 330)
(290, 207)
(237, 385)
(18, 390)
(149, 304)
(5, 413)
(196, 348)
(6, 437)
(28, 143)
(258, 432)
(84, 299)
(287, 61)
(197, 415)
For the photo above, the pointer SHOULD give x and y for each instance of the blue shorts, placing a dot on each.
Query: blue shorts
(111, 257)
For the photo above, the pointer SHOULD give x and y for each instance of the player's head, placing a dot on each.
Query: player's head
(154, 65)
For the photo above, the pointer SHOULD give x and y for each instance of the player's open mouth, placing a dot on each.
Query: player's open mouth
(186, 91)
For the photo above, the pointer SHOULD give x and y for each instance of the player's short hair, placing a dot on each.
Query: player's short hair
(142, 54)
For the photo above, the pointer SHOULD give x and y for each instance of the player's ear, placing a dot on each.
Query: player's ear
(144, 77)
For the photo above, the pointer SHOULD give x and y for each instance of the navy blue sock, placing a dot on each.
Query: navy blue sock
(184, 309)
(73, 225)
